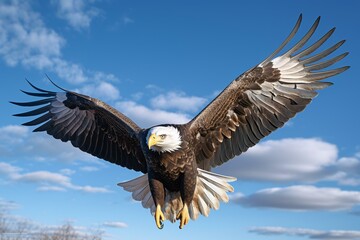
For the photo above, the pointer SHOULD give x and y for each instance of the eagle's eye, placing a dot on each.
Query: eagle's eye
(163, 136)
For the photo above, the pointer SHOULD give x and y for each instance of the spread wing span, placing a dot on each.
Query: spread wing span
(89, 124)
(262, 99)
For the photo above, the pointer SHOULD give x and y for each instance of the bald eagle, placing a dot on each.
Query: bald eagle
(176, 159)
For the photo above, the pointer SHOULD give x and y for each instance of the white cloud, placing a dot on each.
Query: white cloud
(154, 89)
(48, 181)
(301, 198)
(89, 169)
(67, 171)
(42, 147)
(310, 233)
(348, 171)
(297, 159)
(25, 40)
(178, 101)
(14, 130)
(51, 189)
(90, 189)
(87, 189)
(68, 71)
(101, 76)
(171, 107)
(10, 137)
(77, 13)
(9, 170)
(147, 117)
(7, 205)
(115, 224)
(102, 90)
(12, 134)
(23, 36)
(344, 179)
(127, 20)
(44, 177)
(137, 96)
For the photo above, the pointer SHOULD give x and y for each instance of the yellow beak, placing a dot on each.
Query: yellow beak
(153, 139)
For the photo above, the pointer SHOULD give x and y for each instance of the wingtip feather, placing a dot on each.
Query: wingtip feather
(55, 83)
(37, 88)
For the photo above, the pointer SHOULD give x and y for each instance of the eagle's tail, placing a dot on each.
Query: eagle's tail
(211, 188)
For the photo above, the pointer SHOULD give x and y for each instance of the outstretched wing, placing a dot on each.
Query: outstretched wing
(89, 124)
(262, 99)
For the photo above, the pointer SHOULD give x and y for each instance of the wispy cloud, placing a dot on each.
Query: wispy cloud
(17, 142)
(178, 101)
(25, 40)
(171, 107)
(89, 169)
(46, 148)
(294, 159)
(45, 177)
(115, 224)
(90, 189)
(48, 181)
(67, 171)
(6, 205)
(9, 170)
(70, 72)
(309, 233)
(103, 90)
(13, 133)
(51, 189)
(127, 20)
(348, 171)
(78, 13)
(147, 117)
(300, 198)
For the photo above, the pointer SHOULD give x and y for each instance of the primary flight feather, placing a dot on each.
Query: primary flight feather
(176, 159)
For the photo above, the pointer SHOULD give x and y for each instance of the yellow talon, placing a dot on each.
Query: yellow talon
(159, 217)
(184, 216)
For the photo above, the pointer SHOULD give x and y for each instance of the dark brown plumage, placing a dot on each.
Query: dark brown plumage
(176, 158)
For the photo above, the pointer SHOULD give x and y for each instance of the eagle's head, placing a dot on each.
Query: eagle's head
(163, 139)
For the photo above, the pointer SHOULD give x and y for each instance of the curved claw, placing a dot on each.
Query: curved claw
(159, 217)
(161, 225)
(183, 216)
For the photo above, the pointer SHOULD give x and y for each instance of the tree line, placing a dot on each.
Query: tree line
(17, 228)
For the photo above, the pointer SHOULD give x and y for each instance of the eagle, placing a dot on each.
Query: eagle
(176, 159)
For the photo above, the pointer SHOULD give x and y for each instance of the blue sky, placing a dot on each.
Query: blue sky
(301, 182)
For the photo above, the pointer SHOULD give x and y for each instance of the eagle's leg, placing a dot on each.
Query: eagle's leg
(158, 195)
(183, 216)
(187, 189)
(159, 217)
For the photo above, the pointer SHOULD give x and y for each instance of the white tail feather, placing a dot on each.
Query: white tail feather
(139, 185)
(211, 188)
(173, 205)
(193, 211)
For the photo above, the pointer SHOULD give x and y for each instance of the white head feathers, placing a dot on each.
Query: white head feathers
(164, 139)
